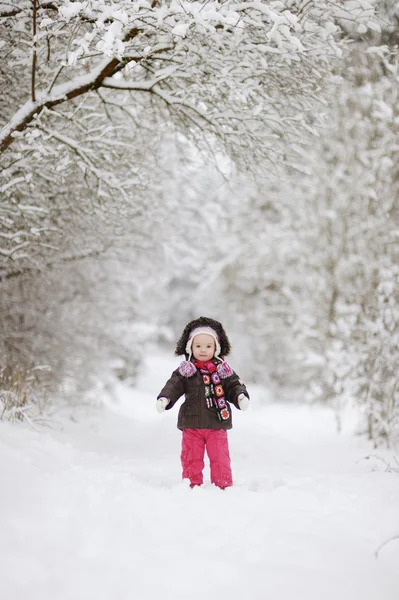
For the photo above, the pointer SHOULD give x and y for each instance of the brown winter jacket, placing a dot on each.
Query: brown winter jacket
(194, 412)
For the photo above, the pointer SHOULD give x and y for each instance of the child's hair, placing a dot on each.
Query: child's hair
(204, 322)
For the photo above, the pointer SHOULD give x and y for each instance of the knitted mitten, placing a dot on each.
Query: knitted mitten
(243, 402)
(161, 404)
(187, 368)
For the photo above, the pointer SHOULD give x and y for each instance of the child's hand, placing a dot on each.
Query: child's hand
(243, 402)
(161, 404)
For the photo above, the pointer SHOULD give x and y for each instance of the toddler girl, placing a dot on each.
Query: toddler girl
(209, 385)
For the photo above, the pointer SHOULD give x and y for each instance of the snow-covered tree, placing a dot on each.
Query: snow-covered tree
(310, 269)
(95, 88)
(347, 229)
(244, 75)
(361, 220)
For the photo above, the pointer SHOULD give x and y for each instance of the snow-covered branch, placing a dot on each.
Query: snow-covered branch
(388, 541)
(59, 94)
(16, 7)
(214, 46)
(108, 178)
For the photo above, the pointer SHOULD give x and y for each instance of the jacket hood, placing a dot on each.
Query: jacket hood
(225, 346)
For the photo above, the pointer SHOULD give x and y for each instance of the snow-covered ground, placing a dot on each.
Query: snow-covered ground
(96, 509)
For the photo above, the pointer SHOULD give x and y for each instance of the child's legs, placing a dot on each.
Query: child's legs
(192, 455)
(217, 448)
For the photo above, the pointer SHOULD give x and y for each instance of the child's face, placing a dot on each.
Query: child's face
(203, 347)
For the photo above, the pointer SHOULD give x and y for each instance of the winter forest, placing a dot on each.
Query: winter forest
(166, 159)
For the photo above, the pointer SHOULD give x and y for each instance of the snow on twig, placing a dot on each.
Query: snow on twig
(9, 253)
(84, 155)
(381, 546)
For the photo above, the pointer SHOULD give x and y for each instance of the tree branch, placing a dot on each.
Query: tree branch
(152, 86)
(381, 546)
(6, 13)
(107, 178)
(34, 54)
(60, 260)
(64, 92)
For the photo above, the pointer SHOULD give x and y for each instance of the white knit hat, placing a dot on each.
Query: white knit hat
(199, 331)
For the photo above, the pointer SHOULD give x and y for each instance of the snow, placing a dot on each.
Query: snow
(95, 508)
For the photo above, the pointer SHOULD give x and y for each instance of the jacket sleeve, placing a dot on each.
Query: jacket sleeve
(233, 387)
(173, 389)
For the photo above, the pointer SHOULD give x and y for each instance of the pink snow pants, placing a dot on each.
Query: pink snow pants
(194, 442)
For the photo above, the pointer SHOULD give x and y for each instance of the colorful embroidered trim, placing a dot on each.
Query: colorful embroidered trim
(214, 394)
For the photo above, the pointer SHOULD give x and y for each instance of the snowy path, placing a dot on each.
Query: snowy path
(96, 510)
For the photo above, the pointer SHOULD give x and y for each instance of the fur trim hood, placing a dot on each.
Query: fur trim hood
(203, 322)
